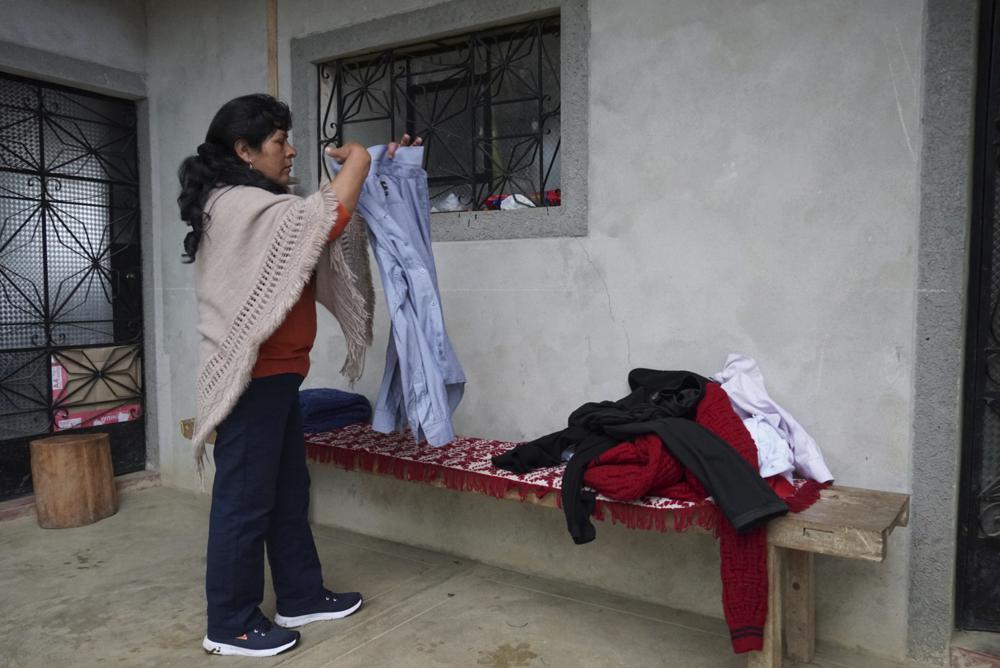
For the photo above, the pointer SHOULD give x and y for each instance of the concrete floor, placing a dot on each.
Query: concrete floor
(127, 591)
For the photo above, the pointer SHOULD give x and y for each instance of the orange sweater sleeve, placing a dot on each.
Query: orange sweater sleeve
(343, 217)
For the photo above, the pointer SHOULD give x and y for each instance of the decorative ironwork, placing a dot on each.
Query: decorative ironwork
(486, 105)
(985, 356)
(70, 271)
(989, 516)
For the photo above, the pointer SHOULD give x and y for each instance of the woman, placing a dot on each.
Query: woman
(262, 260)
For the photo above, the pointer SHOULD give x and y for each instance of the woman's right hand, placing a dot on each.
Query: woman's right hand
(340, 154)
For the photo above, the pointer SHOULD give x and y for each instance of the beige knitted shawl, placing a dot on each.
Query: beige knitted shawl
(257, 254)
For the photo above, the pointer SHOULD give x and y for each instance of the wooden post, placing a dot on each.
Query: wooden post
(800, 606)
(770, 655)
(73, 480)
(272, 47)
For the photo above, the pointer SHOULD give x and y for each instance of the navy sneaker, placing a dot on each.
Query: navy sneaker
(329, 606)
(263, 639)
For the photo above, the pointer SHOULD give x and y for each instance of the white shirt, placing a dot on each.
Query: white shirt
(774, 454)
(744, 383)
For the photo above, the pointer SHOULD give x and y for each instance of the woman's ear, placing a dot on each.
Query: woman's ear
(242, 149)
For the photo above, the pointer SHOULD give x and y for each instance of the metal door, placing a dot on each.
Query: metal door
(70, 274)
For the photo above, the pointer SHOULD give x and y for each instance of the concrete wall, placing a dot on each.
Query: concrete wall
(754, 187)
(200, 55)
(107, 32)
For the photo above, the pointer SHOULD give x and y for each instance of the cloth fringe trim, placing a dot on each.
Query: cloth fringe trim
(704, 515)
(456, 479)
(352, 297)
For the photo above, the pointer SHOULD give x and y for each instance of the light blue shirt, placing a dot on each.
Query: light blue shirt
(423, 380)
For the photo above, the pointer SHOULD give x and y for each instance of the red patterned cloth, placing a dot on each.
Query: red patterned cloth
(464, 465)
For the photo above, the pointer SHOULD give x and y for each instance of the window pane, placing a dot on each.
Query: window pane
(24, 394)
(486, 105)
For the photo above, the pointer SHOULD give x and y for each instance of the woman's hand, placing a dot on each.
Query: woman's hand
(405, 141)
(341, 153)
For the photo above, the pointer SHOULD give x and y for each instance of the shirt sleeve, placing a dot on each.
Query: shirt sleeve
(343, 217)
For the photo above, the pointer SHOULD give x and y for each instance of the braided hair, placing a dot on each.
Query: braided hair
(252, 118)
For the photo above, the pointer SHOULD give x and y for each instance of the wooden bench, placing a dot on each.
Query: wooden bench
(846, 522)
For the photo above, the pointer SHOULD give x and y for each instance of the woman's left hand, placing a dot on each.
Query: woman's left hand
(405, 141)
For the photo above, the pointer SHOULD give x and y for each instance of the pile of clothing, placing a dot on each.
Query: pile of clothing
(680, 435)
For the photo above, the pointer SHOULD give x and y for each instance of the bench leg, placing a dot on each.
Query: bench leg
(800, 606)
(770, 655)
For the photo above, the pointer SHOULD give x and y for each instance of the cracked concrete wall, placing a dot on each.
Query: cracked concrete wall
(108, 32)
(200, 55)
(753, 172)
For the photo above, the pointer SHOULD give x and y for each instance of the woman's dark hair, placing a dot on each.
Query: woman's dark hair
(252, 118)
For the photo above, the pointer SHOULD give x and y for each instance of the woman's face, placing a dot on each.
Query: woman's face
(273, 160)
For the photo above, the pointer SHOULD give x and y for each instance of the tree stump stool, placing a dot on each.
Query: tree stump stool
(73, 480)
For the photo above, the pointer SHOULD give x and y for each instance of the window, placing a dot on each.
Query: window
(470, 58)
(487, 105)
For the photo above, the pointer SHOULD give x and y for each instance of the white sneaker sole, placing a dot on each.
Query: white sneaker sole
(223, 649)
(302, 620)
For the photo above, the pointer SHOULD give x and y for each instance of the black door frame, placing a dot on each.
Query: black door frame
(982, 392)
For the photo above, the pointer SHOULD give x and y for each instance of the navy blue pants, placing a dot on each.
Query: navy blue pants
(260, 498)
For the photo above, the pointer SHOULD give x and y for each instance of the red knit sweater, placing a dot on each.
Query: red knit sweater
(644, 467)
(744, 555)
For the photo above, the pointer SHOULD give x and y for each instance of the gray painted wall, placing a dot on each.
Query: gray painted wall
(106, 32)
(184, 94)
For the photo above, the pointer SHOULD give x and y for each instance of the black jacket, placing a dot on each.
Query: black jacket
(664, 403)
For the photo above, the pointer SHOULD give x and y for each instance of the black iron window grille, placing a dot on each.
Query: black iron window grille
(70, 273)
(486, 105)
